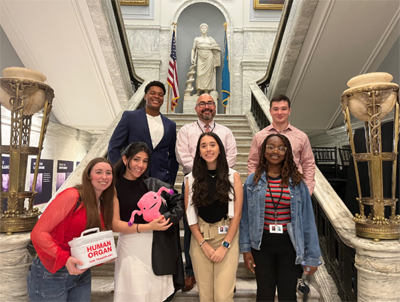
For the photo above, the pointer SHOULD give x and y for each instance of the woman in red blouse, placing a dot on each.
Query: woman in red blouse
(53, 275)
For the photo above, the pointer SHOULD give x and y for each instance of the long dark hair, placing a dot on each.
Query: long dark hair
(200, 184)
(289, 167)
(88, 197)
(130, 151)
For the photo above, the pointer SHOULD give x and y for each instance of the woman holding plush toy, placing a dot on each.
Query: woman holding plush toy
(149, 263)
(213, 207)
(53, 276)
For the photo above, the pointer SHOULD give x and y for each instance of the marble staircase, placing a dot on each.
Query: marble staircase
(103, 276)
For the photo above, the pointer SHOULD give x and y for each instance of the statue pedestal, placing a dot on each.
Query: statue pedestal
(14, 264)
(189, 103)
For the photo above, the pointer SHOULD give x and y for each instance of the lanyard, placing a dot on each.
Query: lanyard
(273, 201)
(209, 124)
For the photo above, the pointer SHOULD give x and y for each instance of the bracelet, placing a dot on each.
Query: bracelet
(137, 228)
(202, 242)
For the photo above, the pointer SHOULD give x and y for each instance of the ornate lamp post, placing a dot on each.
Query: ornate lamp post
(23, 92)
(370, 98)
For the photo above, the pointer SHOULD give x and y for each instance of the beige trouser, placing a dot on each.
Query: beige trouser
(215, 281)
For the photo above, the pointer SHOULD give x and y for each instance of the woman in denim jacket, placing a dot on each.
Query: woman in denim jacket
(278, 231)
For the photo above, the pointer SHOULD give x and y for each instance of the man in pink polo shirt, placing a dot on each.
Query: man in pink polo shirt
(185, 151)
(302, 152)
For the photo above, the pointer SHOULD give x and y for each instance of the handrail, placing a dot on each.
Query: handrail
(99, 149)
(264, 82)
(135, 79)
(259, 106)
(338, 253)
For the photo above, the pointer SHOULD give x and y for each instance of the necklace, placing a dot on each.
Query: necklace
(213, 173)
(274, 174)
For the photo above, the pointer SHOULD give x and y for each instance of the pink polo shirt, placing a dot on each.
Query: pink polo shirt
(302, 152)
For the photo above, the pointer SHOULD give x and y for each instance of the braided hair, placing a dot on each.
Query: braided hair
(289, 167)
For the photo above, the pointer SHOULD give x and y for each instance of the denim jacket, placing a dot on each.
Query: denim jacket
(302, 229)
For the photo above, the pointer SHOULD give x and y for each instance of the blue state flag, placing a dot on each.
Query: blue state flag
(226, 83)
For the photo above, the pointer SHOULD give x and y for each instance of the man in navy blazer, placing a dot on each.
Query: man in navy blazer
(150, 126)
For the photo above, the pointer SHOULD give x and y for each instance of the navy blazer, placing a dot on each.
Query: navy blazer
(133, 127)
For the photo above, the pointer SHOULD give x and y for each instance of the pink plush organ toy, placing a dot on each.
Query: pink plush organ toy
(149, 205)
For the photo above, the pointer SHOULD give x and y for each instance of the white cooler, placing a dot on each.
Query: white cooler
(93, 249)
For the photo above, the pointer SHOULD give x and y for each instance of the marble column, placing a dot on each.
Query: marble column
(378, 273)
(14, 264)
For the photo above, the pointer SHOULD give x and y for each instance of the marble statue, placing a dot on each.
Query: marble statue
(207, 54)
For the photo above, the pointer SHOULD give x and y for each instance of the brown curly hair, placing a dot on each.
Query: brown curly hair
(289, 167)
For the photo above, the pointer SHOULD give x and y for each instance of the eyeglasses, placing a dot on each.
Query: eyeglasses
(203, 104)
(271, 149)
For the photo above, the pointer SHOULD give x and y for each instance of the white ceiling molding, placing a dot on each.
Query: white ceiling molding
(59, 38)
(384, 45)
(322, 12)
(334, 117)
(344, 38)
(85, 20)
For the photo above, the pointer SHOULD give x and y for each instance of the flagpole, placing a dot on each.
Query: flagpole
(225, 48)
(174, 24)
(169, 98)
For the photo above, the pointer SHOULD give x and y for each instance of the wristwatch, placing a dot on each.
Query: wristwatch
(226, 244)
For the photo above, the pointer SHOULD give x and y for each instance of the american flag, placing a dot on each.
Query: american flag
(173, 74)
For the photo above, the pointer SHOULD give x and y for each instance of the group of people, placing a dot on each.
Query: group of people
(269, 219)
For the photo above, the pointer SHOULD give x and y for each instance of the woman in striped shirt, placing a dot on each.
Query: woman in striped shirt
(277, 228)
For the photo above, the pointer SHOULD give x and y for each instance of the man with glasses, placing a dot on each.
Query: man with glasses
(302, 152)
(185, 150)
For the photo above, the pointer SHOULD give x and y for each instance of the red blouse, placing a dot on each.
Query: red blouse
(58, 225)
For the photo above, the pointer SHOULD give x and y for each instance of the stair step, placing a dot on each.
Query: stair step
(237, 132)
(107, 269)
(246, 291)
(231, 125)
(243, 148)
(194, 117)
(102, 288)
(244, 140)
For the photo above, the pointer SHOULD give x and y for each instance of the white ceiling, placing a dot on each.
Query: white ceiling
(58, 38)
(346, 38)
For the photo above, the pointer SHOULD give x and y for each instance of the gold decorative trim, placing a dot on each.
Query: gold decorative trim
(134, 2)
(267, 4)
(22, 223)
(374, 231)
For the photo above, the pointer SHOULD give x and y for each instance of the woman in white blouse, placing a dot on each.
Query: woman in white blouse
(213, 206)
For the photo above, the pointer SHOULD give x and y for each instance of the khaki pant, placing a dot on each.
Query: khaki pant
(215, 281)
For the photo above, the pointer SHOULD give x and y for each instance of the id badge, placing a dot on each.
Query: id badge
(276, 228)
(223, 229)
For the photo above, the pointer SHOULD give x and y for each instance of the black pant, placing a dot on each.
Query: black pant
(275, 267)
